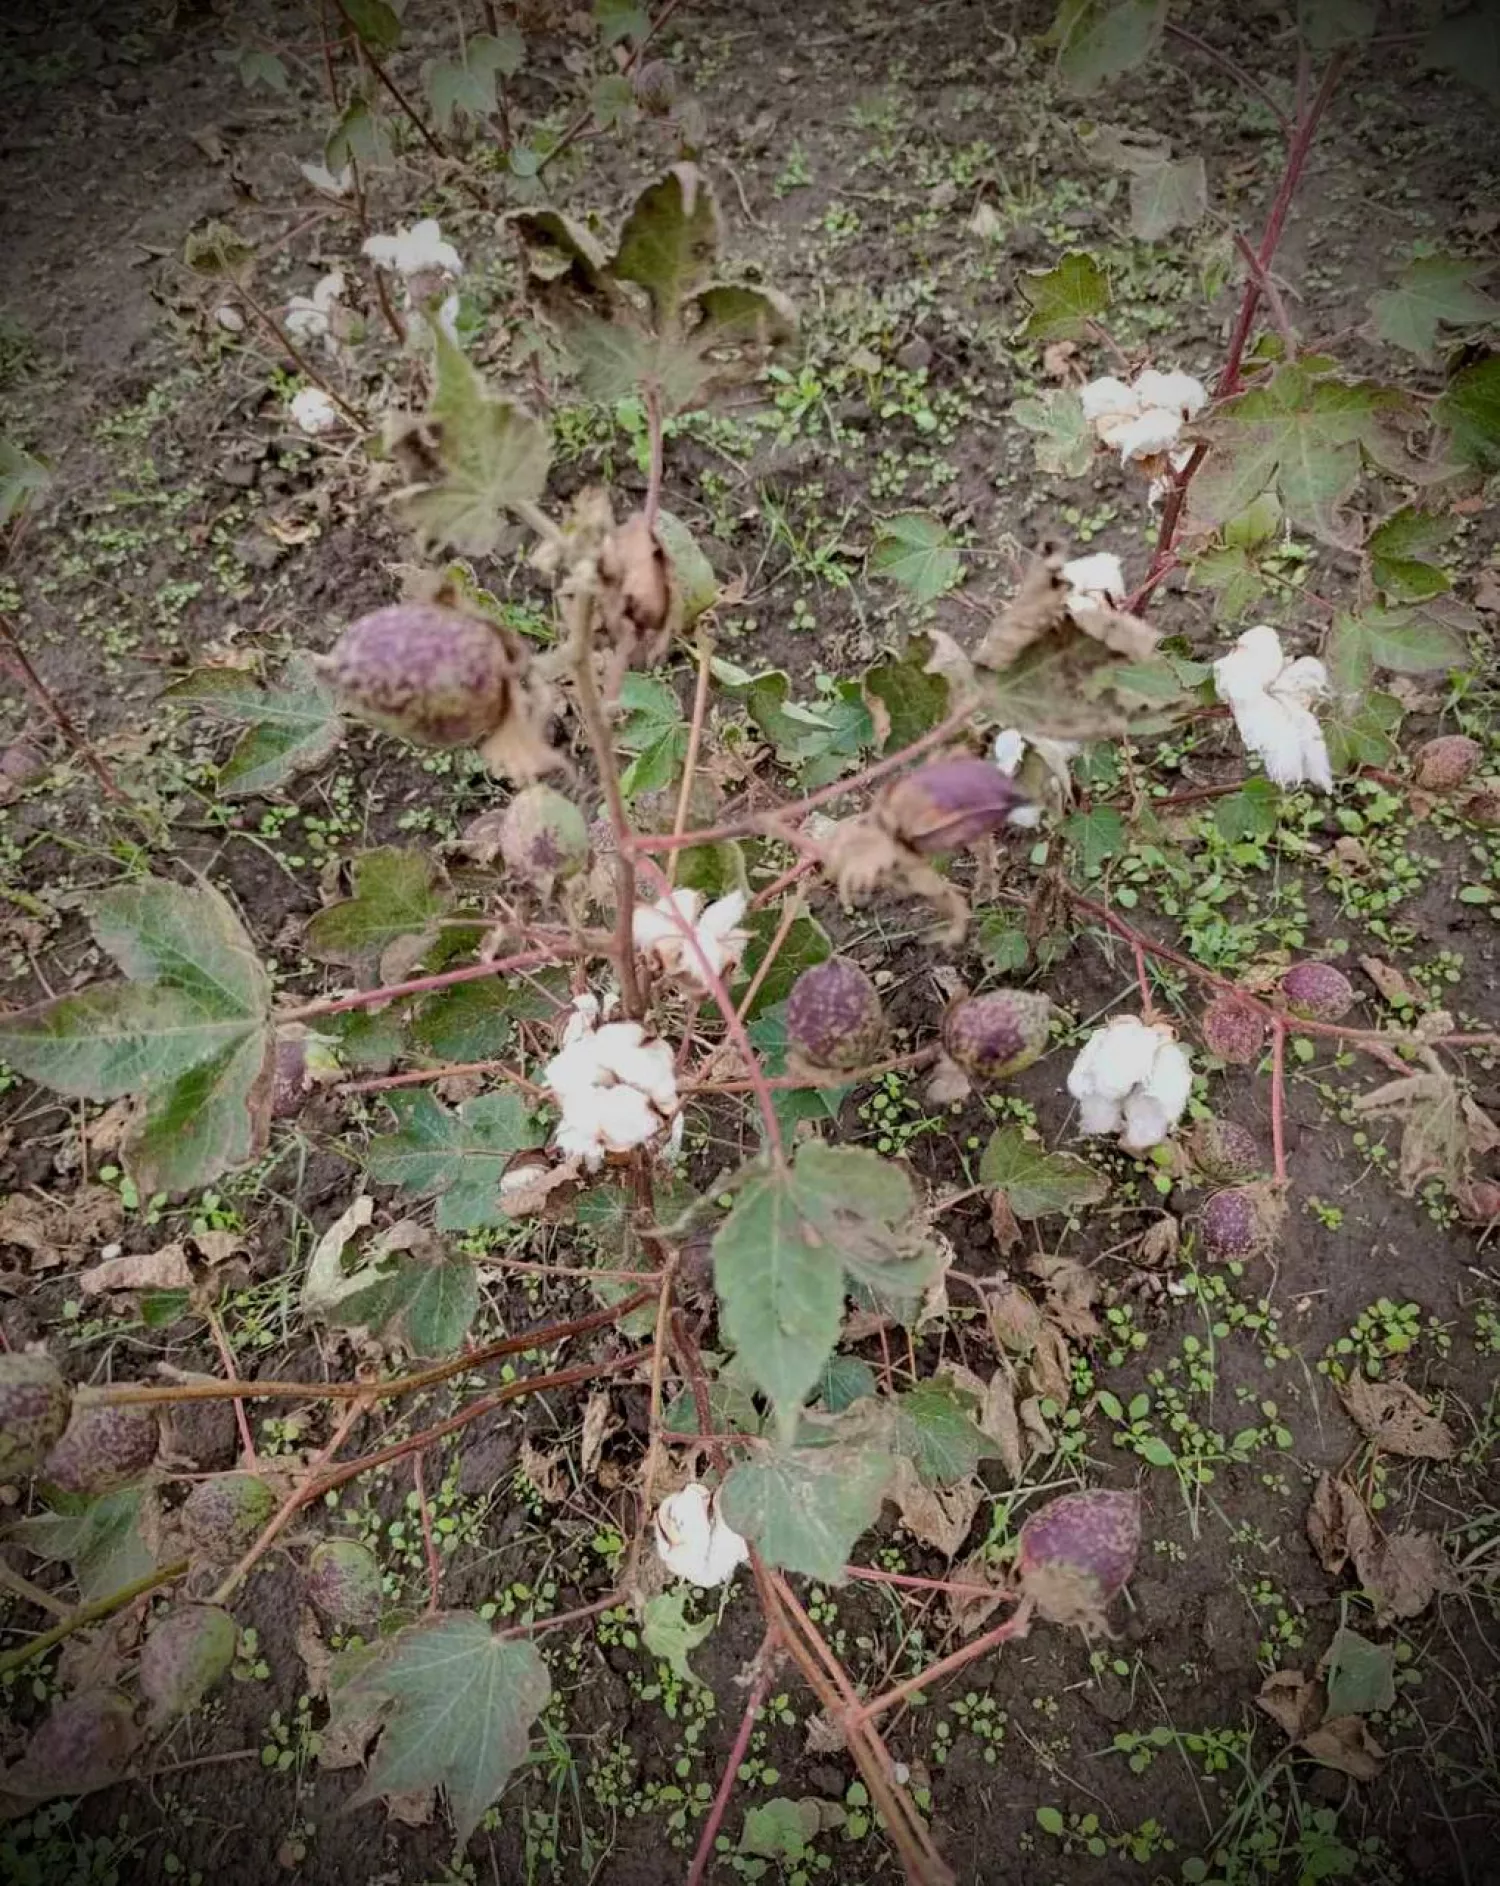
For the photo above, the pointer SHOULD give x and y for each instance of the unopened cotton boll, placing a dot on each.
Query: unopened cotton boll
(1132, 1078)
(693, 1542)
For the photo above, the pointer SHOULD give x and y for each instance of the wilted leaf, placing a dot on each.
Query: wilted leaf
(1395, 1417)
(1337, 1523)
(411, 1286)
(494, 457)
(670, 239)
(1437, 1128)
(1098, 40)
(163, 1269)
(106, 1543)
(1304, 436)
(941, 1517)
(399, 897)
(1434, 290)
(1036, 1182)
(909, 695)
(803, 1509)
(1064, 299)
(460, 1704)
(1167, 196)
(667, 1634)
(188, 1034)
(916, 550)
(290, 727)
(936, 1431)
(1291, 1701)
(1402, 1572)
(1063, 439)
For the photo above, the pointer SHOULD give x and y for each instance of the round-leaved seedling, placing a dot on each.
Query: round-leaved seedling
(833, 1015)
(1077, 1553)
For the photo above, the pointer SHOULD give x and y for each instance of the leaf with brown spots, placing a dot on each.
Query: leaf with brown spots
(1346, 1744)
(1395, 1417)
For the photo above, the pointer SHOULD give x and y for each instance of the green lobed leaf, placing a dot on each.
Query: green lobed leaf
(804, 1508)
(360, 137)
(666, 1633)
(1434, 291)
(468, 85)
(189, 1034)
(917, 551)
(1063, 438)
(1301, 435)
(399, 897)
(459, 1703)
(378, 25)
(1470, 411)
(1399, 548)
(936, 1431)
(1035, 1182)
(845, 1380)
(767, 1032)
(461, 1156)
(913, 700)
(1099, 40)
(1166, 196)
(470, 1022)
(1064, 299)
(1402, 640)
(494, 457)
(621, 19)
(806, 943)
(1096, 835)
(290, 727)
(429, 1296)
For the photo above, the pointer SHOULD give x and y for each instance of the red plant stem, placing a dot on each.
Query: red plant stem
(960, 718)
(140, 1394)
(1299, 147)
(429, 1544)
(226, 1356)
(703, 1857)
(815, 1077)
(1233, 67)
(1278, 1099)
(420, 1075)
(1016, 1625)
(1147, 1006)
(424, 985)
(58, 714)
(1271, 293)
(915, 1582)
(733, 1026)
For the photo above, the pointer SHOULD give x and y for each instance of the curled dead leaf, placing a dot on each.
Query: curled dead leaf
(1396, 1418)
(1292, 1701)
(1347, 1745)
(939, 1516)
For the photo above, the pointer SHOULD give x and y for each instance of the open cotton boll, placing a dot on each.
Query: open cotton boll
(1131, 1078)
(614, 1089)
(661, 931)
(1270, 698)
(1152, 432)
(336, 183)
(1100, 577)
(415, 251)
(313, 412)
(309, 317)
(1103, 398)
(1174, 391)
(693, 1542)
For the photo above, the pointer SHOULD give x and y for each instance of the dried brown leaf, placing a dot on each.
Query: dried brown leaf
(1441, 1128)
(1338, 1526)
(1395, 1417)
(1071, 1290)
(1015, 1318)
(1039, 606)
(1346, 1744)
(1051, 1366)
(1004, 1226)
(939, 1516)
(968, 1610)
(1398, 989)
(542, 1470)
(1159, 1244)
(53, 1230)
(596, 1424)
(317, 1659)
(166, 1269)
(1292, 1702)
(1403, 1572)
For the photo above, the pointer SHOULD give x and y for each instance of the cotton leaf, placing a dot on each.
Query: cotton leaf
(1037, 1183)
(670, 240)
(105, 1542)
(458, 1703)
(399, 898)
(917, 551)
(667, 1634)
(493, 454)
(1470, 410)
(1062, 438)
(1064, 299)
(188, 1033)
(1167, 196)
(290, 726)
(936, 1430)
(1100, 40)
(1434, 291)
(461, 1156)
(22, 477)
(803, 1509)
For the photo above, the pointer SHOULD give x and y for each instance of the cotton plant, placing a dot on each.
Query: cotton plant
(615, 1087)
(1133, 1078)
(665, 933)
(1270, 696)
(1144, 421)
(693, 1542)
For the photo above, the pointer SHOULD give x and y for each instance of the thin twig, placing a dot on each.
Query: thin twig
(703, 1857)
(1271, 293)
(295, 354)
(90, 1614)
(425, 985)
(548, 1336)
(1016, 1625)
(695, 741)
(1233, 67)
(419, 1076)
(58, 714)
(429, 1544)
(231, 1369)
